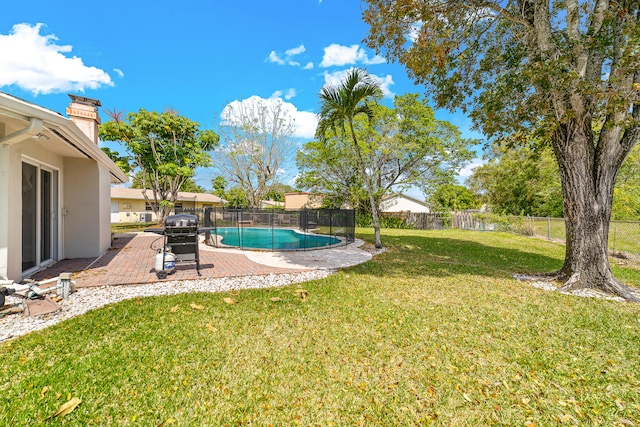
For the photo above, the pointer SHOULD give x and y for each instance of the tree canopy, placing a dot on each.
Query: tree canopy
(258, 139)
(164, 150)
(562, 72)
(401, 147)
(520, 182)
(527, 182)
(452, 197)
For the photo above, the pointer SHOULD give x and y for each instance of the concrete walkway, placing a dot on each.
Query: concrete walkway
(340, 257)
(132, 257)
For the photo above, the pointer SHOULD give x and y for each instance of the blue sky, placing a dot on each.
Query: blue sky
(192, 56)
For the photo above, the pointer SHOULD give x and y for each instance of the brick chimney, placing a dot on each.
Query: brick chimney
(84, 113)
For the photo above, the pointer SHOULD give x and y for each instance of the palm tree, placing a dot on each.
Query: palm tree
(339, 105)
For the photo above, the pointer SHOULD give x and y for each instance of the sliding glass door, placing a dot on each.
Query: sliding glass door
(39, 216)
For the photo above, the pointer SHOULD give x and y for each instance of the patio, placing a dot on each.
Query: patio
(131, 261)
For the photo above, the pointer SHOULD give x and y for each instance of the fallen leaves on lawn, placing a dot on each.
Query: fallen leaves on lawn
(67, 408)
(174, 308)
(302, 293)
(196, 306)
(275, 299)
(230, 300)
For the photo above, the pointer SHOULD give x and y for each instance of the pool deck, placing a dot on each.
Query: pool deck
(132, 257)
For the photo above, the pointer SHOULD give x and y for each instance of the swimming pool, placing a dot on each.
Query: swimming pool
(271, 238)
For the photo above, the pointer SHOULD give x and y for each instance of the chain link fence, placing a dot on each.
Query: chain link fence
(624, 236)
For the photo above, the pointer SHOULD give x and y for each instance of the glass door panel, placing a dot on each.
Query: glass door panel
(29, 216)
(45, 215)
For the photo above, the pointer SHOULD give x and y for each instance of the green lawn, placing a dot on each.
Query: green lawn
(130, 227)
(432, 332)
(623, 235)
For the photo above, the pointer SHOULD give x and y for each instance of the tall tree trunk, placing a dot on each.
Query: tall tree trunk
(367, 180)
(588, 180)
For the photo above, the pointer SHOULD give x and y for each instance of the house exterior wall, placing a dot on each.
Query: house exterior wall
(295, 201)
(12, 223)
(81, 209)
(5, 185)
(104, 208)
(70, 211)
(129, 210)
(400, 204)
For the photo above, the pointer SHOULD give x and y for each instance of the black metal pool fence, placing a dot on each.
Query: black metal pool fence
(338, 223)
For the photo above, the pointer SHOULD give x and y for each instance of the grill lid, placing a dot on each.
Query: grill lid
(181, 220)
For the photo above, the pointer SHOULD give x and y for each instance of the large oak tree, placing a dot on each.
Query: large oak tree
(564, 71)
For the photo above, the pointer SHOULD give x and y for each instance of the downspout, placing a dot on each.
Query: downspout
(35, 127)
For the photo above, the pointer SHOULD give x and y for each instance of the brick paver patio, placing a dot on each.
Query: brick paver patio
(132, 258)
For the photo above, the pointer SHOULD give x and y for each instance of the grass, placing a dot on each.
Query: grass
(623, 235)
(432, 332)
(130, 227)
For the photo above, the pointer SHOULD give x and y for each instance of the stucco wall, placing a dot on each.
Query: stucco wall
(131, 207)
(11, 224)
(82, 203)
(104, 208)
(302, 200)
(4, 210)
(135, 207)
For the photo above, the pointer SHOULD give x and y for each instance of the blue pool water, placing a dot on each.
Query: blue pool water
(268, 238)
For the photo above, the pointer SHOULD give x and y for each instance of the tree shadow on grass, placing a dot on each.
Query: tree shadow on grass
(414, 255)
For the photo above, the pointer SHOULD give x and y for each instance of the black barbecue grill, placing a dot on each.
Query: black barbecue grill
(181, 236)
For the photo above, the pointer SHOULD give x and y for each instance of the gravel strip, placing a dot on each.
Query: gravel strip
(553, 286)
(87, 299)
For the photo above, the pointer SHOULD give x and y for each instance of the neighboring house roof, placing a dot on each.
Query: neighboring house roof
(387, 200)
(271, 203)
(136, 194)
(53, 131)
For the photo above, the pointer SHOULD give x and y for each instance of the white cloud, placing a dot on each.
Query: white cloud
(305, 121)
(385, 83)
(338, 55)
(309, 66)
(295, 51)
(119, 72)
(467, 171)
(291, 93)
(335, 78)
(35, 63)
(273, 57)
(414, 31)
(288, 56)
